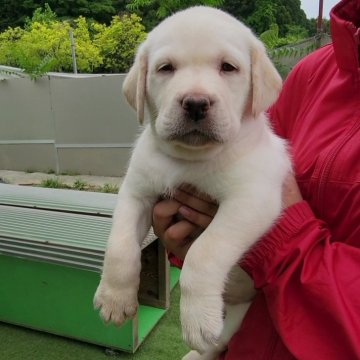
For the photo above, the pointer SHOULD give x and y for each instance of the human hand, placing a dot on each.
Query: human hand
(180, 220)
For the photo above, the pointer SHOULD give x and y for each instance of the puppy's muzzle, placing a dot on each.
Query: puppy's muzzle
(196, 107)
(196, 126)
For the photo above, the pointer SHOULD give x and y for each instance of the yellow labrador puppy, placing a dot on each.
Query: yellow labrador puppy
(205, 81)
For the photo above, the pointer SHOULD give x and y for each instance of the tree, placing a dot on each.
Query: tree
(42, 15)
(153, 11)
(240, 9)
(99, 10)
(8, 38)
(118, 42)
(14, 12)
(44, 45)
(272, 40)
(289, 12)
(263, 16)
(260, 14)
(312, 26)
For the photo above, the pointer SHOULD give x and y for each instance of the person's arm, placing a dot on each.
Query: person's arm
(311, 285)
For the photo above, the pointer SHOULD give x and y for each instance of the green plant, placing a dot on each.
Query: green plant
(293, 45)
(282, 68)
(293, 50)
(118, 42)
(44, 45)
(38, 70)
(54, 183)
(8, 38)
(165, 8)
(80, 184)
(272, 39)
(110, 188)
(88, 56)
(42, 15)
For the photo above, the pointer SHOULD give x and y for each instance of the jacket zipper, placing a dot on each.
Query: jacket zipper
(329, 161)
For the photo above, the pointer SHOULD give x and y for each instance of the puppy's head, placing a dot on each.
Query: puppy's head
(200, 72)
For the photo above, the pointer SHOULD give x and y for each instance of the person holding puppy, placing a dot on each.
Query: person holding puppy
(306, 269)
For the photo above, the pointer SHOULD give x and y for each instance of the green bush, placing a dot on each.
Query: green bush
(110, 188)
(118, 41)
(8, 39)
(44, 44)
(54, 183)
(80, 185)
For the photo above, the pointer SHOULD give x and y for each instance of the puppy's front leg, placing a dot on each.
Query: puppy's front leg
(207, 264)
(116, 295)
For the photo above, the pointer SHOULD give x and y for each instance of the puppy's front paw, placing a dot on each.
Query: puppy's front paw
(202, 321)
(116, 305)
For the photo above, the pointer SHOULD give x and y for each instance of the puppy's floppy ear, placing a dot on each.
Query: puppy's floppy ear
(134, 86)
(265, 80)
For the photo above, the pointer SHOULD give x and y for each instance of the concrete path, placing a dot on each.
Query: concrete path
(25, 178)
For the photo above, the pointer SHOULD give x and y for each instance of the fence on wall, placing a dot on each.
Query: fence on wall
(66, 123)
(287, 56)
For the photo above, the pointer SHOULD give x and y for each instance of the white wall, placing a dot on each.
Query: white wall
(66, 123)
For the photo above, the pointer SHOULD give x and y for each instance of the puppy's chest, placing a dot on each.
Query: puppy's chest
(153, 172)
(163, 176)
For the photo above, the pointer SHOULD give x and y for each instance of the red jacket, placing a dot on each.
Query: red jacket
(307, 269)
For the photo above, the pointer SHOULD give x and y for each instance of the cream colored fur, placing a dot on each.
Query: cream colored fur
(242, 166)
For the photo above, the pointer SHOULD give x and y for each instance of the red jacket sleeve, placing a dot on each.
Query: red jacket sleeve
(309, 276)
(311, 285)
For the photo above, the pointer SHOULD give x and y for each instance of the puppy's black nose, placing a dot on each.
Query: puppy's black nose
(196, 106)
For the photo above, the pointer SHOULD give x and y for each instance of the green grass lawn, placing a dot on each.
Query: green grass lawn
(164, 342)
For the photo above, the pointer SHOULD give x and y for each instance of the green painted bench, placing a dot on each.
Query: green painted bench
(52, 245)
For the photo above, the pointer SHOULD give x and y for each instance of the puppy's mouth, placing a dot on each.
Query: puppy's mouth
(195, 138)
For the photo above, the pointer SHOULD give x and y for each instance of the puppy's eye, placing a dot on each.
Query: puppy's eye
(166, 68)
(226, 67)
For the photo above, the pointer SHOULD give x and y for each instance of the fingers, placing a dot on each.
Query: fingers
(179, 237)
(163, 215)
(195, 200)
(195, 217)
(176, 235)
(181, 219)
